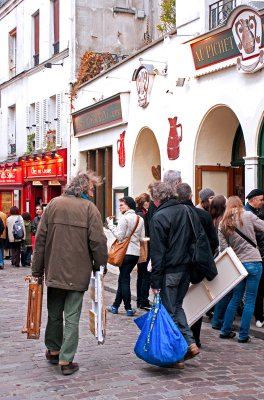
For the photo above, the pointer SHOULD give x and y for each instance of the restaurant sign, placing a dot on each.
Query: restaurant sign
(43, 170)
(98, 116)
(243, 41)
(11, 176)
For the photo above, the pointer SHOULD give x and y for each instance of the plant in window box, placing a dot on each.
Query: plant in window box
(51, 139)
(30, 143)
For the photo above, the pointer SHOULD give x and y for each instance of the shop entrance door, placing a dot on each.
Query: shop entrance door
(6, 201)
(219, 179)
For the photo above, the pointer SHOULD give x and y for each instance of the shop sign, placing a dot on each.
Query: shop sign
(102, 115)
(46, 170)
(11, 176)
(243, 40)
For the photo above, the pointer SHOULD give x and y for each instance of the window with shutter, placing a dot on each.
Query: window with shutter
(56, 24)
(11, 130)
(45, 122)
(58, 119)
(36, 39)
(28, 127)
(37, 126)
(12, 52)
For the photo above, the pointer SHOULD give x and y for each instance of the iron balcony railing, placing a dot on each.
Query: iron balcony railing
(219, 11)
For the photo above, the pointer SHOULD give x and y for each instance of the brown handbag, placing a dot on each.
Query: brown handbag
(117, 251)
(143, 252)
(35, 296)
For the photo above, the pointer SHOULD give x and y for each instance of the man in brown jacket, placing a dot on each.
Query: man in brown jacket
(70, 243)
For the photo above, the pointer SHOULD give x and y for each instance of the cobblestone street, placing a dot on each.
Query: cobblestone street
(224, 370)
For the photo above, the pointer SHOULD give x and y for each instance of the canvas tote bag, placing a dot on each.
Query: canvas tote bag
(117, 251)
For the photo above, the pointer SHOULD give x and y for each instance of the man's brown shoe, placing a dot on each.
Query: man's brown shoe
(192, 351)
(52, 358)
(69, 369)
(178, 365)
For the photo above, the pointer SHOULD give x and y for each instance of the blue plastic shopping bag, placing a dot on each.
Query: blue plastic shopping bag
(160, 341)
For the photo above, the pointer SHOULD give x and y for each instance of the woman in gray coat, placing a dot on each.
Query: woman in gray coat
(236, 220)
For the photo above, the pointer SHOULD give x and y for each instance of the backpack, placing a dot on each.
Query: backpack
(202, 264)
(18, 231)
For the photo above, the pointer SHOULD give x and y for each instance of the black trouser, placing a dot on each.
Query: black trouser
(123, 290)
(15, 253)
(196, 330)
(143, 284)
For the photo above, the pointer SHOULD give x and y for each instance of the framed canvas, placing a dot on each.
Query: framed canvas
(201, 297)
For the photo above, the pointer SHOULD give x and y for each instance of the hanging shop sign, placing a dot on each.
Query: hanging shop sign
(10, 175)
(144, 77)
(241, 42)
(98, 116)
(45, 166)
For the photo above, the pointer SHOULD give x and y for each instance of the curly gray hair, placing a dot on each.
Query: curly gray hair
(161, 191)
(81, 183)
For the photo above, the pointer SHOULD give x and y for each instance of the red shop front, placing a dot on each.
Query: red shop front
(11, 186)
(45, 176)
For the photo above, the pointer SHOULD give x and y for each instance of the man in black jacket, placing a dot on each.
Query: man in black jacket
(171, 236)
(184, 196)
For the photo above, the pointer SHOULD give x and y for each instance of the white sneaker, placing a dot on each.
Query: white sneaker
(259, 324)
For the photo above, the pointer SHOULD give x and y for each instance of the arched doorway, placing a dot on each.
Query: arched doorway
(146, 161)
(219, 153)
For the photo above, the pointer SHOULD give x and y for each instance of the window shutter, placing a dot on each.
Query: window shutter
(38, 127)
(45, 122)
(58, 119)
(28, 119)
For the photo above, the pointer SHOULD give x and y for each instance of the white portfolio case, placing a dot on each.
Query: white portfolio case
(201, 297)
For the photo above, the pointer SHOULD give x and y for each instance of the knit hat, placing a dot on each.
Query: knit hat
(204, 194)
(254, 193)
(130, 202)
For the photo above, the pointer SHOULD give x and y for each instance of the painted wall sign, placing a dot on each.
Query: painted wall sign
(243, 40)
(109, 112)
(11, 176)
(247, 31)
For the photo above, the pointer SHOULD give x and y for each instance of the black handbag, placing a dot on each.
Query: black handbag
(202, 264)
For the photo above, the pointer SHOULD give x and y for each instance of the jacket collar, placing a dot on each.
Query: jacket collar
(169, 203)
(129, 212)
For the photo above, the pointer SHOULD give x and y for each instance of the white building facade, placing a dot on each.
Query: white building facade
(191, 102)
(41, 45)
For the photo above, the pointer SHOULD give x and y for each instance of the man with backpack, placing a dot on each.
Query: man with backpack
(16, 233)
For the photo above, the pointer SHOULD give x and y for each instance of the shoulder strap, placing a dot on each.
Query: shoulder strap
(190, 218)
(245, 238)
(135, 227)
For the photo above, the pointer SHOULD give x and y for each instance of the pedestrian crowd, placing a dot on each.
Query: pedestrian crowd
(69, 244)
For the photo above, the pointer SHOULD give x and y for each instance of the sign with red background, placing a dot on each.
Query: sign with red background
(11, 176)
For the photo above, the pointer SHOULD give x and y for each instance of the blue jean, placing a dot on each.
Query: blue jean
(123, 290)
(249, 286)
(1, 252)
(175, 287)
(220, 309)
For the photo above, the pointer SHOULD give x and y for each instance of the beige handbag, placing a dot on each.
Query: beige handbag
(117, 251)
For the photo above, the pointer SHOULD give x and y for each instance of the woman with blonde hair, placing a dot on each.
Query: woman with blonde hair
(237, 229)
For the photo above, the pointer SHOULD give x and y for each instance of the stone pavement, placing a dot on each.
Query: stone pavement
(225, 369)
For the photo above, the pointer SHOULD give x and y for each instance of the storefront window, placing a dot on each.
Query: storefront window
(6, 201)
